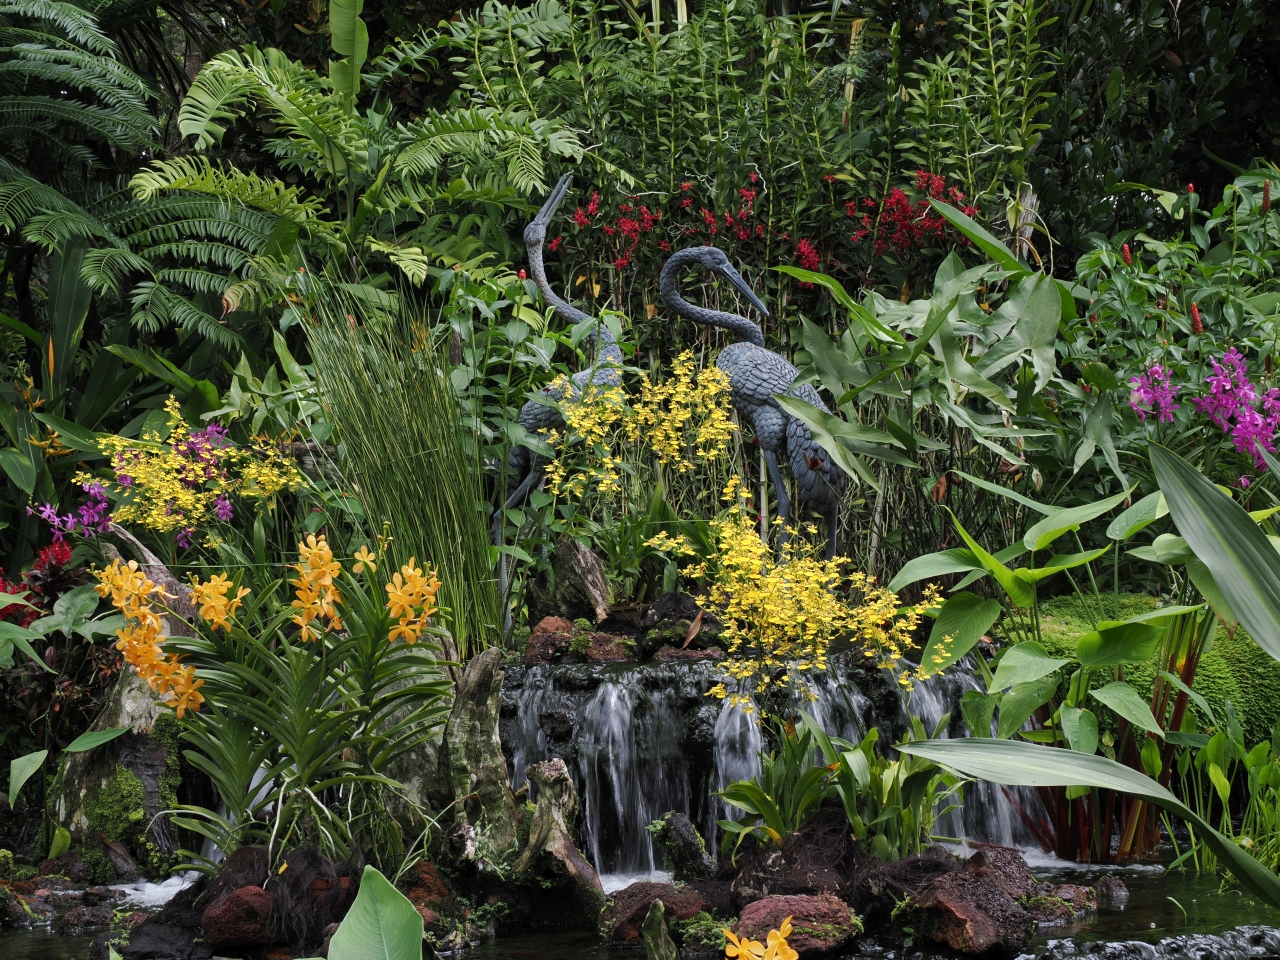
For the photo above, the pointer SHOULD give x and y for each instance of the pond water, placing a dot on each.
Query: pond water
(1186, 912)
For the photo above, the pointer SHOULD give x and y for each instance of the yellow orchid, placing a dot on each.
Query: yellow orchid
(365, 558)
(744, 949)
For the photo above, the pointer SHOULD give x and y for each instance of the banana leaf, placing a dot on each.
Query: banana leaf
(1016, 763)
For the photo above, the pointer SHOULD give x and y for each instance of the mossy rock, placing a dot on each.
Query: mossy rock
(1235, 669)
(702, 935)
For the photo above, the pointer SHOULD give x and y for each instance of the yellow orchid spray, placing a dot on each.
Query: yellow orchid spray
(775, 947)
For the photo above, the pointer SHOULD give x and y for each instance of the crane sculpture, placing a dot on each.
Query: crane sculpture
(540, 417)
(756, 375)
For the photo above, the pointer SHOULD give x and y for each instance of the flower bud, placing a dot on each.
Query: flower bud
(1191, 188)
(1128, 257)
(523, 275)
(1197, 325)
(1266, 196)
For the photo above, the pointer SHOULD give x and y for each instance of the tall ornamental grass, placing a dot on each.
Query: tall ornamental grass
(401, 447)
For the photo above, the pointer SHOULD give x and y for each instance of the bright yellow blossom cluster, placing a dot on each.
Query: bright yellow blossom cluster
(591, 419)
(665, 543)
(317, 596)
(139, 641)
(411, 600)
(684, 414)
(782, 615)
(776, 947)
(188, 480)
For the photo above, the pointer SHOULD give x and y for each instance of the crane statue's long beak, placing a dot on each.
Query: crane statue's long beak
(734, 277)
(549, 208)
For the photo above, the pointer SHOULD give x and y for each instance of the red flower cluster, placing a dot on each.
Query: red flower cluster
(903, 226)
(50, 560)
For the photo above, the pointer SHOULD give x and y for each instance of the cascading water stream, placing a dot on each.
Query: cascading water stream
(643, 739)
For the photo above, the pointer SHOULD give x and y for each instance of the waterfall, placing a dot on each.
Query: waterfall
(987, 814)
(643, 738)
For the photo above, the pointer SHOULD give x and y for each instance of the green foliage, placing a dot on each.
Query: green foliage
(702, 933)
(402, 448)
(382, 924)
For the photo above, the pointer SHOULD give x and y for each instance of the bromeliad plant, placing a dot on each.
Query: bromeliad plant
(295, 707)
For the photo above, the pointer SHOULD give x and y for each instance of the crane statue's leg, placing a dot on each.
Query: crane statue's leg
(780, 493)
(832, 516)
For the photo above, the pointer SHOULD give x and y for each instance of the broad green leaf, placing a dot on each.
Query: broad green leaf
(1242, 560)
(1126, 702)
(960, 372)
(1065, 521)
(1151, 762)
(382, 924)
(1080, 727)
(1138, 517)
(1022, 701)
(1204, 582)
(1057, 563)
(71, 434)
(874, 327)
(955, 560)
(94, 738)
(1008, 494)
(1020, 592)
(21, 770)
(977, 709)
(1025, 663)
(1220, 783)
(22, 638)
(1115, 643)
(820, 424)
(987, 243)
(61, 842)
(19, 468)
(964, 618)
(1171, 549)
(1015, 763)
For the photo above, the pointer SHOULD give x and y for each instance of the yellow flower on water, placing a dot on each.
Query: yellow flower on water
(365, 558)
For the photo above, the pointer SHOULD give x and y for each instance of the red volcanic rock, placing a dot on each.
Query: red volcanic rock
(970, 912)
(238, 920)
(820, 925)
(624, 915)
(549, 640)
(671, 653)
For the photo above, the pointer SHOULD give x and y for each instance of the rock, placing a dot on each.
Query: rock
(102, 945)
(969, 911)
(329, 931)
(549, 641)
(1111, 890)
(471, 762)
(427, 890)
(1060, 903)
(86, 917)
(878, 886)
(718, 894)
(94, 896)
(1006, 868)
(683, 851)
(820, 925)
(551, 853)
(667, 654)
(238, 920)
(71, 865)
(581, 589)
(817, 858)
(624, 915)
(162, 941)
(657, 938)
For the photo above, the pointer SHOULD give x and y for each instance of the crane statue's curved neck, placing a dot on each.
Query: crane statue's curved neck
(606, 346)
(743, 328)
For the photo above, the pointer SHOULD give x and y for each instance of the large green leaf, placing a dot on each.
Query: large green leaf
(1024, 663)
(1115, 643)
(1016, 763)
(1057, 563)
(1126, 702)
(961, 622)
(1064, 521)
(1023, 700)
(874, 327)
(20, 469)
(955, 560)
(1139, 516)
(94, 738)
(1019, 591)
(20, 771)
(1225, 538)
(987, 243)
(1080, 727)
(381, 925)
(349, 37)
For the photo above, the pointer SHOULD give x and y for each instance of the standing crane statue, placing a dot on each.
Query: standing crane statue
(756, 375)
(539, 417)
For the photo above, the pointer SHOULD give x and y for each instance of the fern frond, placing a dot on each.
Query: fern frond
(155, 306)
(225, 83)
(198, 175)
(105, 269)
(77, 23)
